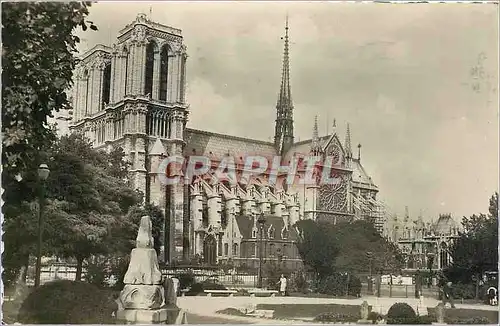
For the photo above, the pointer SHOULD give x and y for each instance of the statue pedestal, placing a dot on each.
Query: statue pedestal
(364, 321)
(168, 315)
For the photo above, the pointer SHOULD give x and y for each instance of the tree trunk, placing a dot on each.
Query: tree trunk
(79, 267)
(478, 278)
(24, 270)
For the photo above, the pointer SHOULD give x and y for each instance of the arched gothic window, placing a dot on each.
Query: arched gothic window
(272, 249)
(271, 232)
(150, 62)
(163, 73)
(106, 85)
(226, 249)
(87, 93)
(235, 249)
(125, 50)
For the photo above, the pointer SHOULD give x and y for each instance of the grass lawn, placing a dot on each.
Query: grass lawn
(465, 314)
(286, 311)
(319, 295)
(196, 319)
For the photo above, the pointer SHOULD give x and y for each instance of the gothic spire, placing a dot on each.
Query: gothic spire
(347, 145)
(315, 146)
(315, 129)
(283, 138)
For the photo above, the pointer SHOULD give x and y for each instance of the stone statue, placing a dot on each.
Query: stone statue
(144, 298)
(440, 313)
(364, 312)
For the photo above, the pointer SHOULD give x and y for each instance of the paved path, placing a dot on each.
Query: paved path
(207, 306)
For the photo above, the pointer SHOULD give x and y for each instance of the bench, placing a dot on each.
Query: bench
(260, 292)
(210, 292)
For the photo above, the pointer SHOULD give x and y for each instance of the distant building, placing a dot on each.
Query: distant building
(424, 243)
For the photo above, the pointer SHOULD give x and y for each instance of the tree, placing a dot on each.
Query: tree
(93, 202)
(358, 238)
(330, 249)
(38, 47)
(37, 61)
(476, 249)
(317, 247)
(86, 207)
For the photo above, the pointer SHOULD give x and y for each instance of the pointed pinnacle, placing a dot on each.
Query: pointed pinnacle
(315, 130)
(347, 144)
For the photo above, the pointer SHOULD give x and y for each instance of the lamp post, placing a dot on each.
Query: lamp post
(430, 262)
(369, 255)
(43, 174)
(261, 220)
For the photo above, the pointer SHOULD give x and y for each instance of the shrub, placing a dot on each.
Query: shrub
(375, 317)
(401, 313)
(231, 311)
(336, 284)
(354, 286)
(299, 282)
(469, 321)
(97, 271)
(335, 317)
(186, 280)
(425, 320)
(105, 271)
(464, 291)
(198, 288)
(68, 302)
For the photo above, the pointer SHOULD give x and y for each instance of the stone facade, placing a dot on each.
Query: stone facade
(424, 244)
(132, 95)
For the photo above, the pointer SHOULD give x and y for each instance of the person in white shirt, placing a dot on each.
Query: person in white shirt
(282, 285)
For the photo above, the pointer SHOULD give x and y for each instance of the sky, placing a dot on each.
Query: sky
(416, 82)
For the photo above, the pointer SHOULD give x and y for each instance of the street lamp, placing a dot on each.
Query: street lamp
(43, 174)
(430, 262)
(261, 220)
(369, 255)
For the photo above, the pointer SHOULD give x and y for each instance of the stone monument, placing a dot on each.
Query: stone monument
(365, 311)
(146, 298)
(440, 314)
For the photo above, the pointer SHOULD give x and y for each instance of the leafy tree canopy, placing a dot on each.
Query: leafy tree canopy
(346, 247)
(476, 250)
(317, 246)
(37, 61)
(86, 207)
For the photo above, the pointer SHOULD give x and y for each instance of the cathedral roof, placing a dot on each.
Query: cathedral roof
(199, 142)
(359, 174)
(444, 224)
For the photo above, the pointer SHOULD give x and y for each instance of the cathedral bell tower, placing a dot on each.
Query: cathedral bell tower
(132, 95)
(283, 136)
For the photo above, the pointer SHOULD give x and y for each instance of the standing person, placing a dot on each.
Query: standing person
(282, 285)
(447, 294)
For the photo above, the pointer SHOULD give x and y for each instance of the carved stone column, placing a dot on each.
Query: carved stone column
(182, 91)
(114, 75)
(129, 76)
(140, 67)
(156, 75)
(82, 96)
(171, 78)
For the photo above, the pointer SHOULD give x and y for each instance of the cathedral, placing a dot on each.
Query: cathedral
(133, 95)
